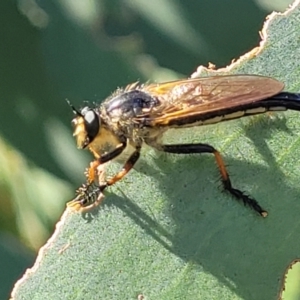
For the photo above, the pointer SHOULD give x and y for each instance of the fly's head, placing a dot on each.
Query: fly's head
(86, 125)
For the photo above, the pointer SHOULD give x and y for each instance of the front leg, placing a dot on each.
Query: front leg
(126, 168)
(91, 172)
(90, 195)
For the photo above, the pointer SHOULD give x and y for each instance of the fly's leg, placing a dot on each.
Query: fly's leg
(205, 148)
(92, 172)
(87, 197)
(126, 168)
(91, 195)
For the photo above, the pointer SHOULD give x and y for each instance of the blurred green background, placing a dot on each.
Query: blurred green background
(84, 50)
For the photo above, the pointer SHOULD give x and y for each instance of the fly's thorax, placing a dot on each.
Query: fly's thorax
(127, 105)
(121, 110)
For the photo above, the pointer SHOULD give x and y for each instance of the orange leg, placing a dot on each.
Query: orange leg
(90, 195)
(204, 148)
(126, 168)
(91, 172)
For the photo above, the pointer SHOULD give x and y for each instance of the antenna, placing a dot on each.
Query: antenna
(75, 111)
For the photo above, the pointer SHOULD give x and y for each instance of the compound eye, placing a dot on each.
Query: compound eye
(90, 117)
(91, 122)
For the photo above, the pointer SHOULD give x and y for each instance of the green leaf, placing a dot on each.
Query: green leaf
(168, 232)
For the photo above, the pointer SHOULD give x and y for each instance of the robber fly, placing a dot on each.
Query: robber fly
(141, 114)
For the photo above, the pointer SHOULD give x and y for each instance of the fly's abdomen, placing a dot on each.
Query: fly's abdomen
(280, 102)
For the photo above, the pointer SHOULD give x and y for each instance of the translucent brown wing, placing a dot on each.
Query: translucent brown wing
(206, 96)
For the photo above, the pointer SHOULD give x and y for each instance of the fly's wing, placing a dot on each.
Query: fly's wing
(198, 97)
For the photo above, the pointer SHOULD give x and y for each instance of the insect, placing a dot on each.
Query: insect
(141, 114)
